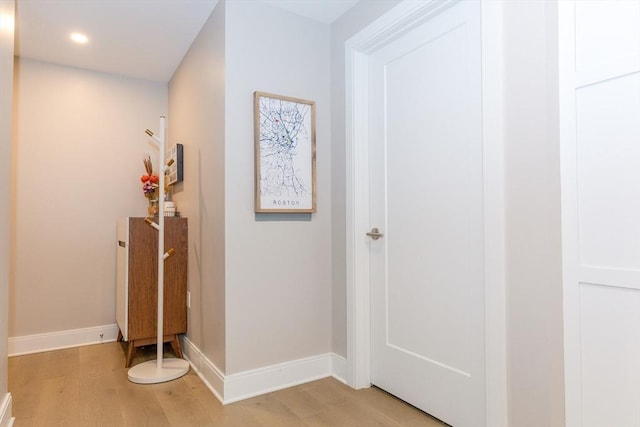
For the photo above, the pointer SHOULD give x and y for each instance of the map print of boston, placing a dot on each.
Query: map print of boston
(285, 175)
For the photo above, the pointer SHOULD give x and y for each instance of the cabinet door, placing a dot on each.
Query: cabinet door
(175, 276)
(143, 278)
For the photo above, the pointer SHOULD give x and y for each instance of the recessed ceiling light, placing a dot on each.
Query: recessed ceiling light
(79, 38)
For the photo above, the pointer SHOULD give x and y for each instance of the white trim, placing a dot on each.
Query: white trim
(494, 214)
(255, 382)
(339, 368)
(569, 209)
(6, 420)
(210, 375)
(247, 384)
(357, 221)
(62, 339)
(393, 24)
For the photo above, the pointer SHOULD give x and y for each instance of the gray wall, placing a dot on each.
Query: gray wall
(79, 141)
(261, 284)
(278, 267)
(197, 120)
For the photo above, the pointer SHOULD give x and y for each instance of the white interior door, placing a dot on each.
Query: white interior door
(426, 181)
(600, 142)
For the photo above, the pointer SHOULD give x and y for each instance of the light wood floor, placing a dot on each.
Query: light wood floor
(88, 386)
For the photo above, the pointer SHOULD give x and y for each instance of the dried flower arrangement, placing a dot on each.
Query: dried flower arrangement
(150, 185)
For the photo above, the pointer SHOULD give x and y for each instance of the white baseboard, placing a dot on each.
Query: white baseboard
(339, 368)
(243, 385)
(62, 339)
(206, 370)
(6, 420)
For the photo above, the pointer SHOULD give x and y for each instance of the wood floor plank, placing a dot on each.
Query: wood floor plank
(25, 377)
(236, 416)
(269, 411)
(100, 400)
(60, 403)
(328, 391)
(178, 403)
(300, 402)
(350, 414)
(88, 386)
(139, 406)
(397, 410)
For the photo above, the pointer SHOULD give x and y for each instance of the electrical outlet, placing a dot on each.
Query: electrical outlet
(188, 299)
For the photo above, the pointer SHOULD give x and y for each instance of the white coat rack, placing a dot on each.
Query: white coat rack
(161, 369)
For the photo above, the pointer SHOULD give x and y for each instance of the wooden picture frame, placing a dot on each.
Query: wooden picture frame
(285, 154)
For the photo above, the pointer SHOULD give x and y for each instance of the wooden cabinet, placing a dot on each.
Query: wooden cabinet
(137, 283)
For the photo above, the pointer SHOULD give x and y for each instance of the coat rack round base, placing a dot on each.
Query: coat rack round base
(152, 372)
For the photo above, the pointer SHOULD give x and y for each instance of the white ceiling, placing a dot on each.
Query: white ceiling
(138, 38)
(325, 11)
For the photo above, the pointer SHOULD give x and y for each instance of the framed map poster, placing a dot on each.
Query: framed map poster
(285, 154)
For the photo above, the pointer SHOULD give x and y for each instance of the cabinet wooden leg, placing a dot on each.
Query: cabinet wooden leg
(120, 337)
(175, 345)
(130, 352)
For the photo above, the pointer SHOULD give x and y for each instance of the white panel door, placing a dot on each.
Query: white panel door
(600, 143)
(427, 284)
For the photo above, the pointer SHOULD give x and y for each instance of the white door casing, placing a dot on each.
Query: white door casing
(599, 63)
(388, 28)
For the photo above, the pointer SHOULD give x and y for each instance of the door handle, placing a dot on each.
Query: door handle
(375, 233)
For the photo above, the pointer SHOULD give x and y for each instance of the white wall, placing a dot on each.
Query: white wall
(278, 267)
(7, 9)
(79, 144)
(197, 120)
(534, 276)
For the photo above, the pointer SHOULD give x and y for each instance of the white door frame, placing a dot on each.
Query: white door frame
(405, 16)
